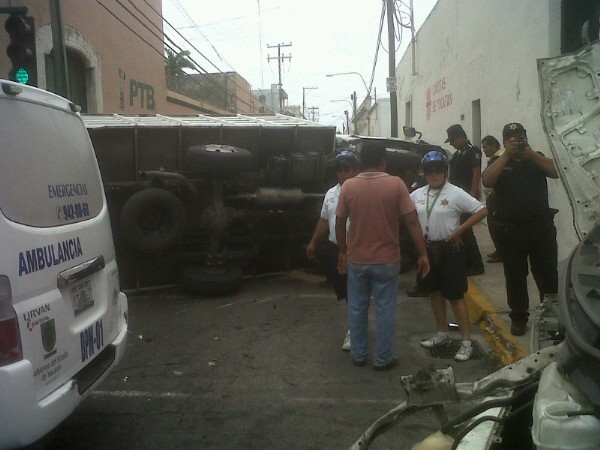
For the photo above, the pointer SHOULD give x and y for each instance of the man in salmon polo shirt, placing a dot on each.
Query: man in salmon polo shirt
(374, 201)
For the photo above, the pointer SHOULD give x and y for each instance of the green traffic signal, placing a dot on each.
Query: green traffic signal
(21, 49)
(21, 76)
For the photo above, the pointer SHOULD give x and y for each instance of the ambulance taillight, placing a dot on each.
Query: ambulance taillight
(10, 339)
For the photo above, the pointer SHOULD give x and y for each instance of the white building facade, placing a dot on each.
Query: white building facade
(381, 118)
(476, 66)
(271, 100)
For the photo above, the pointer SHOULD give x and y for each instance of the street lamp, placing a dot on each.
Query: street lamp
(342, 100)
(354, 121)
(352, 73)
(344, 119)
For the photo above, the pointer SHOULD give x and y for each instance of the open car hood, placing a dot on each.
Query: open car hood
(570, 91)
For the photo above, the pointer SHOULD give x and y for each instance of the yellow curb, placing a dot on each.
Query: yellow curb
(495, 331)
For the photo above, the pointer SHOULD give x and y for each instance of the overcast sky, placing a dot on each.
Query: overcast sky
(327, 36)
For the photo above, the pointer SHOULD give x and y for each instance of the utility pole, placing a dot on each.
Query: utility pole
(61, 74)
(280, 58)
(412, 39)
(354, 112)
(314, 113)
(304, 89)
(391, 81)
(347, 122)
(411, 26)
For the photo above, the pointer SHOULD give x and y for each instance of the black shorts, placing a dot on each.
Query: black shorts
(448, 272)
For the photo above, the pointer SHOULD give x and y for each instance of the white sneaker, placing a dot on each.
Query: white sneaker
(346, 347)
(464, 352)
(435, 342)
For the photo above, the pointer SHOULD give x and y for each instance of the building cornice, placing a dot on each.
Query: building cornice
(179, 99)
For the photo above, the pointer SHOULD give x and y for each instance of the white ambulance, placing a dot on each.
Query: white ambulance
(63, 319)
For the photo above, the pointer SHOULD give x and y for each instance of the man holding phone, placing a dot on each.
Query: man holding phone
(519, 179)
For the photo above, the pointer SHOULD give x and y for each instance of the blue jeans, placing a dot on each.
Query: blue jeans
(381, 280)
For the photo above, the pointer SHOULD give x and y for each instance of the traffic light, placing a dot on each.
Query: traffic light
(21, 49)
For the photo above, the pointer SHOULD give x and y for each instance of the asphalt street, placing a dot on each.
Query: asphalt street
(260, 369)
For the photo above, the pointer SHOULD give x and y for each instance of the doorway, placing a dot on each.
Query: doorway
(77, 74)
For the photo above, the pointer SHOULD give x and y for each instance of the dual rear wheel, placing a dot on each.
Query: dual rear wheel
(154, 220)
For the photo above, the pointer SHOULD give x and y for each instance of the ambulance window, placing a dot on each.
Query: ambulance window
(49, 175)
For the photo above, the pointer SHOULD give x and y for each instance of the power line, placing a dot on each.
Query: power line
(345, 108)
(163, 34)
(183, 11)
(377, 47)
(215, 82)
(129, 28)
(179, 6)
(177, 48)
(231, 19)
(184, 38)
(262, 78)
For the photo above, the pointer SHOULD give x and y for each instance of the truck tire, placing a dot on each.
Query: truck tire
(152, 220)
(220, 158)
(219, 280)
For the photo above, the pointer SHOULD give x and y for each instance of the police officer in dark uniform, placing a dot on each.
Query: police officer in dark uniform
(465, 172)
(519, 178)
(492, 149)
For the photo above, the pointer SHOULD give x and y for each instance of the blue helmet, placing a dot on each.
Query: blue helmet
(434, 158)
(346, 157)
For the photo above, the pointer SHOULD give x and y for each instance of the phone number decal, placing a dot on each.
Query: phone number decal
(74, 211)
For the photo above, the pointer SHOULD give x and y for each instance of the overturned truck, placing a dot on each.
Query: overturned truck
(200, 199)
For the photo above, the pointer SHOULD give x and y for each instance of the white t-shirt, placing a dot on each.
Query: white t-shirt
(328, 210)
(445, 212)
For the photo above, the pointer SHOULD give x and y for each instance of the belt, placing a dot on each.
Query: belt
(533, 221)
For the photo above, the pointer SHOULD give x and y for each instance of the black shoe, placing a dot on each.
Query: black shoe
(472, 271)
(393, 363)
(518, 328)
(415, 292)
(359, 363)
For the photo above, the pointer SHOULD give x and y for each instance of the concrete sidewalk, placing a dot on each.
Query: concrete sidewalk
(486, 300)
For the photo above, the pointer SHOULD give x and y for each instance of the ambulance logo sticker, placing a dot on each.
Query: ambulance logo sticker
(48, 331)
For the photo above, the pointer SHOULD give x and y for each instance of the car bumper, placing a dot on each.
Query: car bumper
(23, 419)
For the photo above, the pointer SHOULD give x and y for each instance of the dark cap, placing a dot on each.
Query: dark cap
(512, 130)
(455, 131)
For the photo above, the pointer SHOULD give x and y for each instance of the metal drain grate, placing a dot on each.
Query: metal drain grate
(448, 351)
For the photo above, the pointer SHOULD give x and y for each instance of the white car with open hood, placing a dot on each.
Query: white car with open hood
(549, 400)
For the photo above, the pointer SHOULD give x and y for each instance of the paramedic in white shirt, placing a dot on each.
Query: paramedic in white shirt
(326, 251)
(439, 206)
